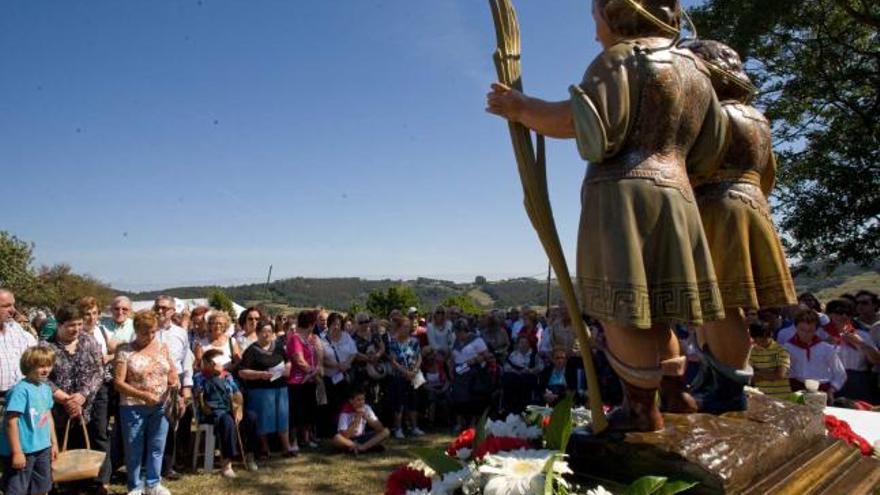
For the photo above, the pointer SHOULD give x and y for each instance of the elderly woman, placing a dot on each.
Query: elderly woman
(305, 370)
(339, 353)
(218, 338)
(77, 378)
(406, 360)
(198, 326)
(469, 355)
(559, 378)
(144, 376)
(263, 370)
(495, 336)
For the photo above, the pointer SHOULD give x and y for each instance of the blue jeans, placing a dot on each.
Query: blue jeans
(143, 427)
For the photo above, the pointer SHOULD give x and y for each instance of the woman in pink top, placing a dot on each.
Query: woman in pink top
(304, 355)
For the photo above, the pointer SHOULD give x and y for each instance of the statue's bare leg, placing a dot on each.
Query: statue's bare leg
(635, 356)
(725, 369)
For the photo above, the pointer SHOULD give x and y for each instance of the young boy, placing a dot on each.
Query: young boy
(27, 435)
(353, 419)
(770, 362)
(219, 401)
(811, 358)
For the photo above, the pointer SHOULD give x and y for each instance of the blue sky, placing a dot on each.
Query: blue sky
(153, 144)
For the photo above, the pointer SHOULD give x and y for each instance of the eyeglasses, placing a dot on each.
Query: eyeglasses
(163, 309)
(122, 310)
(250, 318)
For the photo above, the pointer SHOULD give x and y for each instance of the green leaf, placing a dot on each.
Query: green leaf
(558, 431)
(646, 485)
(437, 459)
(481, 429)
(549, 475)
(676, 486)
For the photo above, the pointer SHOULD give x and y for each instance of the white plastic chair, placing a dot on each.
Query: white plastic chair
(210, 443)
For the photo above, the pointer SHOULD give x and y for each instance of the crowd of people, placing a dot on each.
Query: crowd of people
(277, 385)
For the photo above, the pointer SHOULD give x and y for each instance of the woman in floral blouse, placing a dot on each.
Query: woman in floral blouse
(77, 376)
(144, 375)
(406, 359)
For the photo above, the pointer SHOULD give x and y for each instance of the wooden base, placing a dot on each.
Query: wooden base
(774, 447)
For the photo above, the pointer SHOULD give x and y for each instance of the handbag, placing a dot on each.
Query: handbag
(77, 464)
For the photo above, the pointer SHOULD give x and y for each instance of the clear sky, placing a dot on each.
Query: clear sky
(160, 143)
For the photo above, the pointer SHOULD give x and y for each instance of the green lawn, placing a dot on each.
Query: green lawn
(314, 472)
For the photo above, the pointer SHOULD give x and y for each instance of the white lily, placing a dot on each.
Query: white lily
(450, 482)
(418, 465)
(520, 472)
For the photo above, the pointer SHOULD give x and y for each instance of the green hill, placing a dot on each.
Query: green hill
(342, 293)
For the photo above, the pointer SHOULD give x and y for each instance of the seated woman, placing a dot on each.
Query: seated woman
(522, 372)
(354, 417)
(220, 404)
(811, 358)
(558, 379)
(267, 399)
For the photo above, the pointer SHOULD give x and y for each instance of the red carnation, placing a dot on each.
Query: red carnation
(406, 478)
(465, 440)
(841, 430)
(493, 445)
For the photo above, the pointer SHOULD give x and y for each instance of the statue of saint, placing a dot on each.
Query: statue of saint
(750, 264)
(644, 116)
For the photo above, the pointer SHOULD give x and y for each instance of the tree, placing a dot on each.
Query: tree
(16, 273)
(480, 280)
(59, 285)
(219, 300)
(466, 303)
(817, 64)
(381, 303)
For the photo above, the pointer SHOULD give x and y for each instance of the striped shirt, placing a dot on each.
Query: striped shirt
(14, 340)
(769, 359)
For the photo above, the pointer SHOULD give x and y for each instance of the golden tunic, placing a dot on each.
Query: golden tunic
(644, 112)
(749, 261)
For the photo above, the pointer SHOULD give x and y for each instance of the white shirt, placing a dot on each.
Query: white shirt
(346, 418)
(823, 365)
(441, 339)
(178, 346)
(785, 334)
(338, 352)
(855, 359)
(14, 340)
(473, 349)
(519, 361)
(98, 334)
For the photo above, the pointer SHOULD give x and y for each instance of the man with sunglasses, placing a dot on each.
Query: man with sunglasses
(177, 340)
(119, 325)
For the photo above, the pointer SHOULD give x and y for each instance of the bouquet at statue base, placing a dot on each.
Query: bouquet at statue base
(513, 456)
(520, 455)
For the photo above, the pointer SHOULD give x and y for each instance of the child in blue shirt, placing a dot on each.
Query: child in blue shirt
(27, 433)
(220, 404)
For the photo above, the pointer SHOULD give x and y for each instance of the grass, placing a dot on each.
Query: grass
(321, 471)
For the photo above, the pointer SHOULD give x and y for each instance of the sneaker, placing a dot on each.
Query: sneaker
(250, 463)
(157, 490)
(228, 472)
(398, 434)
(312, 445)
(417, 432)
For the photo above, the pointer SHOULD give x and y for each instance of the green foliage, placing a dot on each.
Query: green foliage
(16, 273)
(60, 285)
(817, 64)
(659, 485)
(355, 308)
(480, 280)
(219, 300)
(466, 303)
(480, 430)
(552, 484)
(557, 433)
(437, 460)
(381, 303)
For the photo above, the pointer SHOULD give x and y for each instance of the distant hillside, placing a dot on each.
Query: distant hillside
(342, 293)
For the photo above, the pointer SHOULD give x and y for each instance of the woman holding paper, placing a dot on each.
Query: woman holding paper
(262, 367)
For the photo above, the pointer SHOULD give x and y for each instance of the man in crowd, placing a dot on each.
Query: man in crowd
(119, 326)
(177, 341)
(14, 340)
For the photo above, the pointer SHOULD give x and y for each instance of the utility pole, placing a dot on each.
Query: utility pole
(269, 276)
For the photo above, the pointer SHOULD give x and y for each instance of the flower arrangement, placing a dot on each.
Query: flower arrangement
(519, 455)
